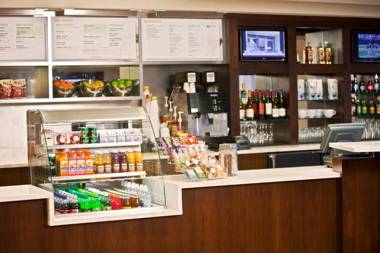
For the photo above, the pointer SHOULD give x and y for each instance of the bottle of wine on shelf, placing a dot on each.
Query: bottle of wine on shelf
(268, 105)
(378, 106)
(376, 84)
(249, 113)
(275, 107)
(370, 87)
(244, 94)
(362, 87)
(364, 109)
(242, 110)
(371, 108)
(281, 105)
(356, 85)
(261, 106)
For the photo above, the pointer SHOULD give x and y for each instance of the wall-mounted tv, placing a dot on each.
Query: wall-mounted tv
(262, 45)
(366, 46)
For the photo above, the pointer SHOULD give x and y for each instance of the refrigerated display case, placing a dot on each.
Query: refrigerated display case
(92, 160)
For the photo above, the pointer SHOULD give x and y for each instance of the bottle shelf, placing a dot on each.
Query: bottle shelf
(322, 118)
(140, 174)
(94, 145)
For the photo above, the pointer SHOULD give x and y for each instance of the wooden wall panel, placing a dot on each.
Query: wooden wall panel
(277, 218)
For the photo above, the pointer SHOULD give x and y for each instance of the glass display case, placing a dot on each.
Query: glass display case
(95, 160)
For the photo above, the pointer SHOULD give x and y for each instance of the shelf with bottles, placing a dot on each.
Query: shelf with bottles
(372, 127)
(96, 81)
(23, 84)
(263, 97)
(320, 46)
(365, 96)
(72, 199)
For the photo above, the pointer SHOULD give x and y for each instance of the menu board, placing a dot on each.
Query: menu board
(22, 39)
(87, 38)
(182, 39)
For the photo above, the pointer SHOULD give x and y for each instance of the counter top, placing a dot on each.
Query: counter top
(22, 193)
(258, 177)
(280, 148)
(355, 147)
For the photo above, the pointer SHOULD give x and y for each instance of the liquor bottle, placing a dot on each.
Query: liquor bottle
(268, 105)
(281, 105)
(275, 108)
(328, 53)
(242, 110)
(378, 106)
(321, 54)
(353, 105)
(376, 85)
(261, 106)
(362, 87)
(358, 107)
(371, 108)
(356, 85)
(244, 94)
(370, 86)
(308, 54)
(364, 110)
(249, 114)
(255, 104)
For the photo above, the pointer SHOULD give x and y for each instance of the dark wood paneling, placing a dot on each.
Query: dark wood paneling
(262, 218)
(13, 176)
(361, 205)
(252, 161)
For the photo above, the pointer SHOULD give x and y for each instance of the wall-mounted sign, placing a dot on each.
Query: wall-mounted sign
(182, 39)
(82, 38)
(22, 39)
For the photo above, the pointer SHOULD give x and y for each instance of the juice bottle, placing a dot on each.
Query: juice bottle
(63, 164)
(107, 162)
(99, 165)
(89, 162)
(139, 162)
(131, 161)
(73, 169)
(81, 163)
(123, 161)
(115, 162)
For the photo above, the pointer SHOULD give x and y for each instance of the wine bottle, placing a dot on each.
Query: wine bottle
(268, 105)
(281, 105)
(249, 114)
(275, 107)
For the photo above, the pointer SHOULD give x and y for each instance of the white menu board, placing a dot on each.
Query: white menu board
(82, 38)
(182, 39)
(22, 39)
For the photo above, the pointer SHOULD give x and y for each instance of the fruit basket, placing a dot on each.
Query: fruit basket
(92, 88)
(121, 87)
(63, 89)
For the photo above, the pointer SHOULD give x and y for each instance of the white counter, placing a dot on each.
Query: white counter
(174, 184)
(355, 147)
(280, 148)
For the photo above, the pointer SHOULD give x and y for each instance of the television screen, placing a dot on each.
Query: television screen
(262, 45)
(366, 47)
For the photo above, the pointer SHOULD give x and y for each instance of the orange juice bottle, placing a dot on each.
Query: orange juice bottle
(107, 162)
(89, 162)
(139, 162)
(131, 160)
(99, 165)
(73, 169)
(81, 163)
(63, 164)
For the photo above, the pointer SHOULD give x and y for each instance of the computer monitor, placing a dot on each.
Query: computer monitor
(345, 132)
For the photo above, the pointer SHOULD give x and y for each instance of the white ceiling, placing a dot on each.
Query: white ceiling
(360, 2)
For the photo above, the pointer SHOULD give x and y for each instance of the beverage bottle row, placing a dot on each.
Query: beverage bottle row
(371, 87)
(261, 104)
(365, 107)
(86, 162)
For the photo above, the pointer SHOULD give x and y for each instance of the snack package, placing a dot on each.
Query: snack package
(6, 88)
(19, 88)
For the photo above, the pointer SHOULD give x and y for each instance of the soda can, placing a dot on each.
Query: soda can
(83, 132)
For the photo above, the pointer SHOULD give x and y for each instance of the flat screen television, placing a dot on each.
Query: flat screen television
(262, 45)
(365, 46)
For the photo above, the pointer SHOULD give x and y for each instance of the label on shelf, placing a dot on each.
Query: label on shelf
(173, 39)
(94, 38)
(22, 38)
